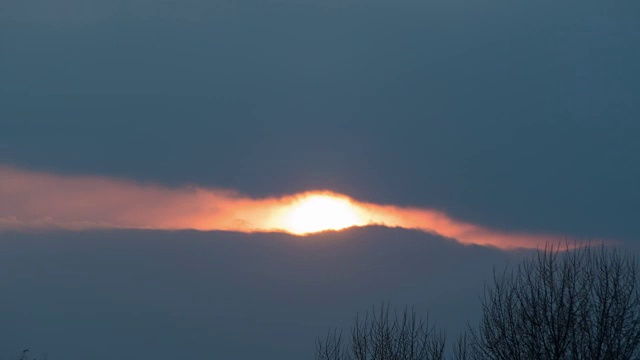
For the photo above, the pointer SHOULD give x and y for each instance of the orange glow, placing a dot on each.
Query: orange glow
(320, 212)
(38, 200)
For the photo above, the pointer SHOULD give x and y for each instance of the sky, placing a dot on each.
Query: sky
(507, 119)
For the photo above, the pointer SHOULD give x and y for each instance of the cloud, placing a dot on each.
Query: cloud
(40, 200)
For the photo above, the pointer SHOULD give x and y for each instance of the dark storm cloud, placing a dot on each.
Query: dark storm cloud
(162, 295)
(519, 115)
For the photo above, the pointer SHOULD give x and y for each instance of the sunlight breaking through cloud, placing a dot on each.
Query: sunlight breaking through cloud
(39, 200)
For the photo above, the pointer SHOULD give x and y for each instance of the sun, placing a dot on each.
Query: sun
(321, 212)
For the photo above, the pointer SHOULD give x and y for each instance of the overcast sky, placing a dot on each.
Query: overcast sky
(516, 115)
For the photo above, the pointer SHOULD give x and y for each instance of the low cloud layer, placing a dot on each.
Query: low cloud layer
(38, 200)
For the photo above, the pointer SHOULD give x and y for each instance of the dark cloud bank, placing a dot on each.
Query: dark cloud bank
(217, 295)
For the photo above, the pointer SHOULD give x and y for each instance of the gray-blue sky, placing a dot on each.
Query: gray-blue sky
(520, 115)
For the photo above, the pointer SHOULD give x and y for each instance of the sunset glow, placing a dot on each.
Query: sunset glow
(314, 213)
(39, 200)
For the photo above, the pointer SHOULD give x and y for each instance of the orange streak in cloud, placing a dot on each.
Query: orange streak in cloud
(38, 200)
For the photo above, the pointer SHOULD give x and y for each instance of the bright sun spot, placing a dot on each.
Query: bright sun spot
(315, 213)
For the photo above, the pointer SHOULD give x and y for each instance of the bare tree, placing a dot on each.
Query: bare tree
(379, 336)
(575, 304)
(461, 348)
(331, 348)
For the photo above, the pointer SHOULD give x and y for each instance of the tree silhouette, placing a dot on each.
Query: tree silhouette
(379, 336)
(568, 304)
(576, 304)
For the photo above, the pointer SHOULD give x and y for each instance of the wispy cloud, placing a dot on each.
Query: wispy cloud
(39, 200)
